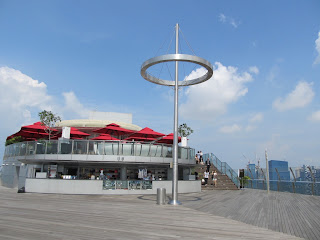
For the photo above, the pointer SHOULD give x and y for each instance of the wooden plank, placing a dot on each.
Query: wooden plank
(49, 216)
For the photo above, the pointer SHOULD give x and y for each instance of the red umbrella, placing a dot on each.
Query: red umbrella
(29, 134)
(147, 133)
(37, 127)
(168, 139)
(143, 139)
(105, 137)
(114, 129)
(75, 132)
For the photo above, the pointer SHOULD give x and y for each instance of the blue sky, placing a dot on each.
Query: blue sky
(75, 56)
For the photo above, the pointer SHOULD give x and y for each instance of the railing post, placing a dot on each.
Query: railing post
(46, 146)
(35, 148)
(264, 176)
(313, 179)
(293, 183)
(87, 147)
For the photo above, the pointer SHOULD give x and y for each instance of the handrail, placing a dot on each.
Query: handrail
(301, 187)
(223, 167)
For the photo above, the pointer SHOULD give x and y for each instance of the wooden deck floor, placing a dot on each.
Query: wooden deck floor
(294, 214)
(51, 216)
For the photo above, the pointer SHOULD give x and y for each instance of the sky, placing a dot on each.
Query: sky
(72, 57)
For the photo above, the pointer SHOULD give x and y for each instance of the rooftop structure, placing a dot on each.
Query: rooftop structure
(133, 159)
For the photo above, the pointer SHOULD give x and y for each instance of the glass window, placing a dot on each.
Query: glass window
(96, 147)
(41, 147)
(65, 147)
(127, 149)
(52, 147)
(30, 148)
(80, 147)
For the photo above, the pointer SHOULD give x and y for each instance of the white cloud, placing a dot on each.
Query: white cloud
(19, 90)
(211, 98)
(225, 19)
(250, 128)
(254, 70)
(276, 146)
(301, 96)
(273, 73)
(256, 118)
(22, 97)
(222, 18)
(73, 105)
(317, 60)
(315, 117)
(230, 129)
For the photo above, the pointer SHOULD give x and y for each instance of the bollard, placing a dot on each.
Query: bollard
(161, 196)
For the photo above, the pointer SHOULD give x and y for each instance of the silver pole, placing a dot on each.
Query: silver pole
(267, 170)
(174, 200)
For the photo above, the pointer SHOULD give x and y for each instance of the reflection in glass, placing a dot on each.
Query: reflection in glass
(41, 147)
(80, 147)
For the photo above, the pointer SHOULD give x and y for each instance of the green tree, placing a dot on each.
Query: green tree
(184, 130)
(13, 140)
(48, 119)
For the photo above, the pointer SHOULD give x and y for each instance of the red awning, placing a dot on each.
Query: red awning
(147, 133)
(76, 132)
(37, 127)
(168, 139)
(29, 134)
(114, 129)
(105, 137)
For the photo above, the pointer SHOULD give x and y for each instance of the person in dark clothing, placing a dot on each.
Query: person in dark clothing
(196, 175)
(208, 164)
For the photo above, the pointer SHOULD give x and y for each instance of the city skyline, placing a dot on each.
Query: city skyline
(75, 57)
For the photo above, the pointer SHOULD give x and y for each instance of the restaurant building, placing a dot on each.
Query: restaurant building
(95, 156)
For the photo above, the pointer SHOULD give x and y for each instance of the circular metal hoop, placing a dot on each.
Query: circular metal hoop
(176, 57)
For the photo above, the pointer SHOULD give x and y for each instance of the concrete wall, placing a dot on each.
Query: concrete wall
(61, 186)
(10, 173)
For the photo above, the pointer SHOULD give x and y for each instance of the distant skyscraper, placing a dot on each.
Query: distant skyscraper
(252, 168)
(283, 170)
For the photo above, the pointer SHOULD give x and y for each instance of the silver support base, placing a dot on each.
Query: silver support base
(174, 202)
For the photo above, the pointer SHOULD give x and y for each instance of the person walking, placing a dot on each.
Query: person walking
(197, 159)
(208, 164)
(214, 178)
(201, 156)
(206, 176)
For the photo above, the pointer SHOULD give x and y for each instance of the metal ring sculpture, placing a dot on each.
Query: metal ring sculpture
(176, 57)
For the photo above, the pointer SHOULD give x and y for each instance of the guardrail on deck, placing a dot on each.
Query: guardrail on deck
(90, 147)
(302, 187)
(223, 167)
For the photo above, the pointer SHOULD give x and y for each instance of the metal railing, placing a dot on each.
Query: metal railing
(223, 167)
(302, 187)
(90, 147)
(127, 185)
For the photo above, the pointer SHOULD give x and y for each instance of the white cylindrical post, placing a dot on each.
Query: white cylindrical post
(267, 170)
(174, 200)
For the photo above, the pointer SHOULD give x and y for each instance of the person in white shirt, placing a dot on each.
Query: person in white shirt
(214, 177)
(206, 176)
